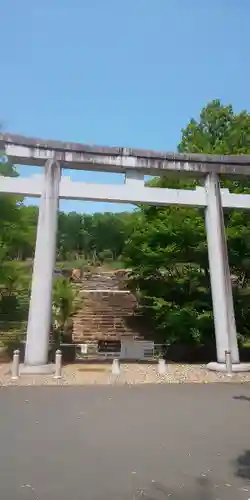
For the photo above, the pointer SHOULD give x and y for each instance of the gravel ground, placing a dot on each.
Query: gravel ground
(88, 374)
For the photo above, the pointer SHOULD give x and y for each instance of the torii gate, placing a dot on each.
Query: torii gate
(135, 164)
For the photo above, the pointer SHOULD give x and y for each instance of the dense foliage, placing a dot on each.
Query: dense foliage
(94, 237)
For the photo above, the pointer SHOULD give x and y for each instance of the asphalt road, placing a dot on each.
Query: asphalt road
(185, 442)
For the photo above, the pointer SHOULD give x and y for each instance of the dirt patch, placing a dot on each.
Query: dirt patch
(93, 368)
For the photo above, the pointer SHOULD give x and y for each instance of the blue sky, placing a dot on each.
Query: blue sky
(119, 72)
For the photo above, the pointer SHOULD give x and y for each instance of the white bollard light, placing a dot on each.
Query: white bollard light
(58, 364)
(115, 367)
(228, 360)
(84, 349)
(15, 365)
(162, 367)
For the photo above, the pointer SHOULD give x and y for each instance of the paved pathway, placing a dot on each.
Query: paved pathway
(183, 442)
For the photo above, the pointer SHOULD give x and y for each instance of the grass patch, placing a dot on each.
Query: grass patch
(72, 264)
(114, 264)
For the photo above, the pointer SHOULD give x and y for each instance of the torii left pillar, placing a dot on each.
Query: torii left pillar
(40, 310)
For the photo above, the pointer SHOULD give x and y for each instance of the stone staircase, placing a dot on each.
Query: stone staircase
(108, 308)
(104, 280)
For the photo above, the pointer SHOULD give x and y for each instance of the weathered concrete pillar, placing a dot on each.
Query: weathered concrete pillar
(39, 322)
(223, 309)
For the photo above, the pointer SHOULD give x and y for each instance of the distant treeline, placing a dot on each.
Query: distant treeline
(96, 237)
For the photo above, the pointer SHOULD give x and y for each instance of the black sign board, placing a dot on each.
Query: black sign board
(109, 346)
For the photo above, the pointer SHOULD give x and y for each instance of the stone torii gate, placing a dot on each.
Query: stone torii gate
(135, 164)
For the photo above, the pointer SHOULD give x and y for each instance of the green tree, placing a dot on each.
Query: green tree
(13, 229)
(83, 235)
(167, 250)
(14, 235)
(64, 305)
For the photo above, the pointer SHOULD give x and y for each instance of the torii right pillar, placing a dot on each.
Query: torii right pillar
(221, 287)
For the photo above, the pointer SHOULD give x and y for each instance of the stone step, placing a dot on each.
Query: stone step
(109, 280)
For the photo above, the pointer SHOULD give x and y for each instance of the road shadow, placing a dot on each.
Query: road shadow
(242, 465)
(242, 398)
(242, 462)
